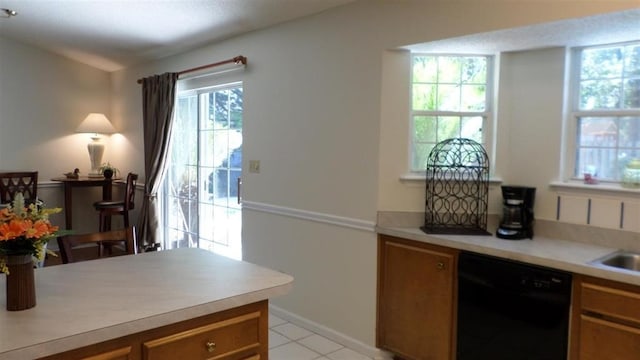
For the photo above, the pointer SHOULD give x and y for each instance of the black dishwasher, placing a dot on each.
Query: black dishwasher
(509, 310)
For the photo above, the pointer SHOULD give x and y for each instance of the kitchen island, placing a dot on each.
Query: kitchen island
(98, 301)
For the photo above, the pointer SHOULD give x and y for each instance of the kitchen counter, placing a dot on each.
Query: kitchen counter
(93, 301)
(565, 255)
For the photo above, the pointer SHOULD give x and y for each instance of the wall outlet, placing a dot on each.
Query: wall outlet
(254, 166)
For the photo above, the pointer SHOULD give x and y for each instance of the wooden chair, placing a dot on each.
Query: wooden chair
(107, 209)
(75, 247)
(25, 182)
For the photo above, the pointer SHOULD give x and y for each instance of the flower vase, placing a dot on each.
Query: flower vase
(21, 288)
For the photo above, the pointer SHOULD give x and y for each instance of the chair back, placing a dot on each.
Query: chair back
(130, 191)
(25, 182)
(108, 240)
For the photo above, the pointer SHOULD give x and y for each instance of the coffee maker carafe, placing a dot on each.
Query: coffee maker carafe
(517, 213)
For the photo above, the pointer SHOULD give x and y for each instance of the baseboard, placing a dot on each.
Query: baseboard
(330, 334)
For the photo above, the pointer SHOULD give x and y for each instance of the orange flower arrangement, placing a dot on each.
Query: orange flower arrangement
(25, 230)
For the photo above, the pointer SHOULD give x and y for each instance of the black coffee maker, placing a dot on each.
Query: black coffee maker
(517, 213)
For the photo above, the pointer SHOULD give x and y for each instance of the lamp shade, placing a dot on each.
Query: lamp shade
(96, 123)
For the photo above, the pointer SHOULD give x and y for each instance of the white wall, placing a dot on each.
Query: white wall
(313, 110)
(530, 121)
(43, 98)
(334, 269)
(316, 115)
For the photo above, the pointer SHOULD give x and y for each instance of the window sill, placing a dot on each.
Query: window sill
(415, 178)
(601, 188)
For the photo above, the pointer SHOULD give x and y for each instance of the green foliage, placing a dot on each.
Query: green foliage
(107, 166)
(609, 81)
(449, 83)
(442, 86)
(610, 77)
(194, 130)
(225, 108)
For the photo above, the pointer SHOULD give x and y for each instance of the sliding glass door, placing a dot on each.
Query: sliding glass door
(201, 192)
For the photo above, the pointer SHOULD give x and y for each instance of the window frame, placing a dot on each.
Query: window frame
(574, 113)
(488, 115)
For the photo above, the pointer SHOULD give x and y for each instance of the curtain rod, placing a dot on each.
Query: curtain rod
(236, 60)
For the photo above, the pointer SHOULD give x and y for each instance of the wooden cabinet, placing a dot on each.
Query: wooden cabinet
(416, 307)
(606, 320)
(236, 334)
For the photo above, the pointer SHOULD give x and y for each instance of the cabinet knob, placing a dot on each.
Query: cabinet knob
(211, 346)
(440, 265)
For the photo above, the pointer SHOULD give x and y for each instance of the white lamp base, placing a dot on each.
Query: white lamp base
(96, 149)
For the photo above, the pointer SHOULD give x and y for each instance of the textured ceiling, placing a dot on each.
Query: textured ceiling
(112, 34)
(600, 29)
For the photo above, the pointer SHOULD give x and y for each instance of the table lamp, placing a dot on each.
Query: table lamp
(95, 124)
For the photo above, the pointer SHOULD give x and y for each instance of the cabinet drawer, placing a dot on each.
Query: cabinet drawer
(118, 354)
(610, 301)
(219, 340)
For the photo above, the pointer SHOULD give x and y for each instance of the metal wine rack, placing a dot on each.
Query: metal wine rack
(457, 188)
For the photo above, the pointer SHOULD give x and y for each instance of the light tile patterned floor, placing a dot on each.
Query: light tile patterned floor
(291, 342)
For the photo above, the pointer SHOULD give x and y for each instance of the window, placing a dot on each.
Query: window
(450, 99)
(606, 108)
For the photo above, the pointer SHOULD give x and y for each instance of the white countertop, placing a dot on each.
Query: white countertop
(565, 255)
(93, 301)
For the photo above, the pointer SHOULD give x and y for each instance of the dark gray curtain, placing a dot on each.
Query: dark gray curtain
(158, 98)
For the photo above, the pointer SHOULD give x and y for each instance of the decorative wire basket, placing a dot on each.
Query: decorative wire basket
(457, 188)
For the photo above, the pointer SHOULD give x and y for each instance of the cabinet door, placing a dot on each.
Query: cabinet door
(601, 339)
(415, 299)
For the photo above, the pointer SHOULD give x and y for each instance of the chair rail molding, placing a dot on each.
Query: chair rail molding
(347, 222)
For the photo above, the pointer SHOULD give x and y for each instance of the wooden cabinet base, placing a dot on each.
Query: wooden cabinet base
(236, 334)
(606, 321)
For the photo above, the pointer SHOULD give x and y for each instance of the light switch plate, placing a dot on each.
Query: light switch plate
(254, 166)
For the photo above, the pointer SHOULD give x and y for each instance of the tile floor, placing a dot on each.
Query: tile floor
(291, 342)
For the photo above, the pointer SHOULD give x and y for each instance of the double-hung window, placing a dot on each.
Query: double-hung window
(449, 99)
(606, 109)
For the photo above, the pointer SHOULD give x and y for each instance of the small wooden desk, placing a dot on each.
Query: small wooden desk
(82, 181)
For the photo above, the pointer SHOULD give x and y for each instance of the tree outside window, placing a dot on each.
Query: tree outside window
(607, 109)
(449, 100)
